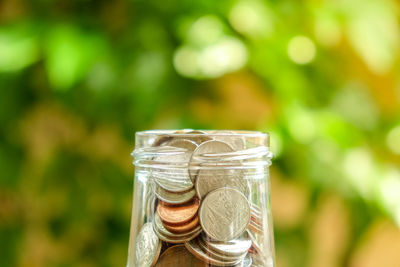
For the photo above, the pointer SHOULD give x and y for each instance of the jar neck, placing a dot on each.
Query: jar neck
(168, 157)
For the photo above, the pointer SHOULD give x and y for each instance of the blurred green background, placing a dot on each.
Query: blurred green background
(78, 78)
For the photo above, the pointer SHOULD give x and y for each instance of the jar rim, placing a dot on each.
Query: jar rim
(249, 149)
(244, 133)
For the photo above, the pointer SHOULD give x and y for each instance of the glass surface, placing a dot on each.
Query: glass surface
(201, 198)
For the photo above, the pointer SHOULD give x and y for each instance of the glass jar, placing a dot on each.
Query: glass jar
(201, 198)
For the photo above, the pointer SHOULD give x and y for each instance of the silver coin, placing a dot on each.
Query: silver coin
(189, 145)
(177, 240)
(160, 140)
(195, 135)
(236, 141)
(170, 156)
(235, 247)
(196, 132)
(174, 198)
(183, 131)
(151, 203)
(177, 181)
(209, 180)
(194, 247)
(159, 227)
(222, 257)
(208, 147)
(148, 246)
(224, 214)
(247, 262)
(258, 261)
(166, 139)
(198, 136)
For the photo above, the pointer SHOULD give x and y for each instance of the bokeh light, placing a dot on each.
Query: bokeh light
(302, 126)
(17, 50)
(327, 31)
(205, 30)
(185, 61)
(390, 193)
(301, 49)
(225, 55)
(393, 140)
(252, 18)
(359, 167)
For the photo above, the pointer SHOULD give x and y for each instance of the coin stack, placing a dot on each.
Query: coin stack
(177, 223)
(202, 214)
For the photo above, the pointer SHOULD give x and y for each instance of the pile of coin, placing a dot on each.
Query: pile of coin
(177, 223)
(202, 214)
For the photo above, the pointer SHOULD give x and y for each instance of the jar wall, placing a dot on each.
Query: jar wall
(201, 198)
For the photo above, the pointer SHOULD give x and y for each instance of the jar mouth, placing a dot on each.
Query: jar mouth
(180, 151)
(166, 158)
(156, 138)
(192, 133)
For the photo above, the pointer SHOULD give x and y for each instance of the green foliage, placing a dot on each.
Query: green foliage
(78, 78)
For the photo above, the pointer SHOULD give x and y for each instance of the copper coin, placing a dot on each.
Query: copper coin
(166, 235)
(256, 220)
(177, 214)
(184, 227)
(256, 215)
(179, 256)
(255, 228)
(255, 246)
(255, 209)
